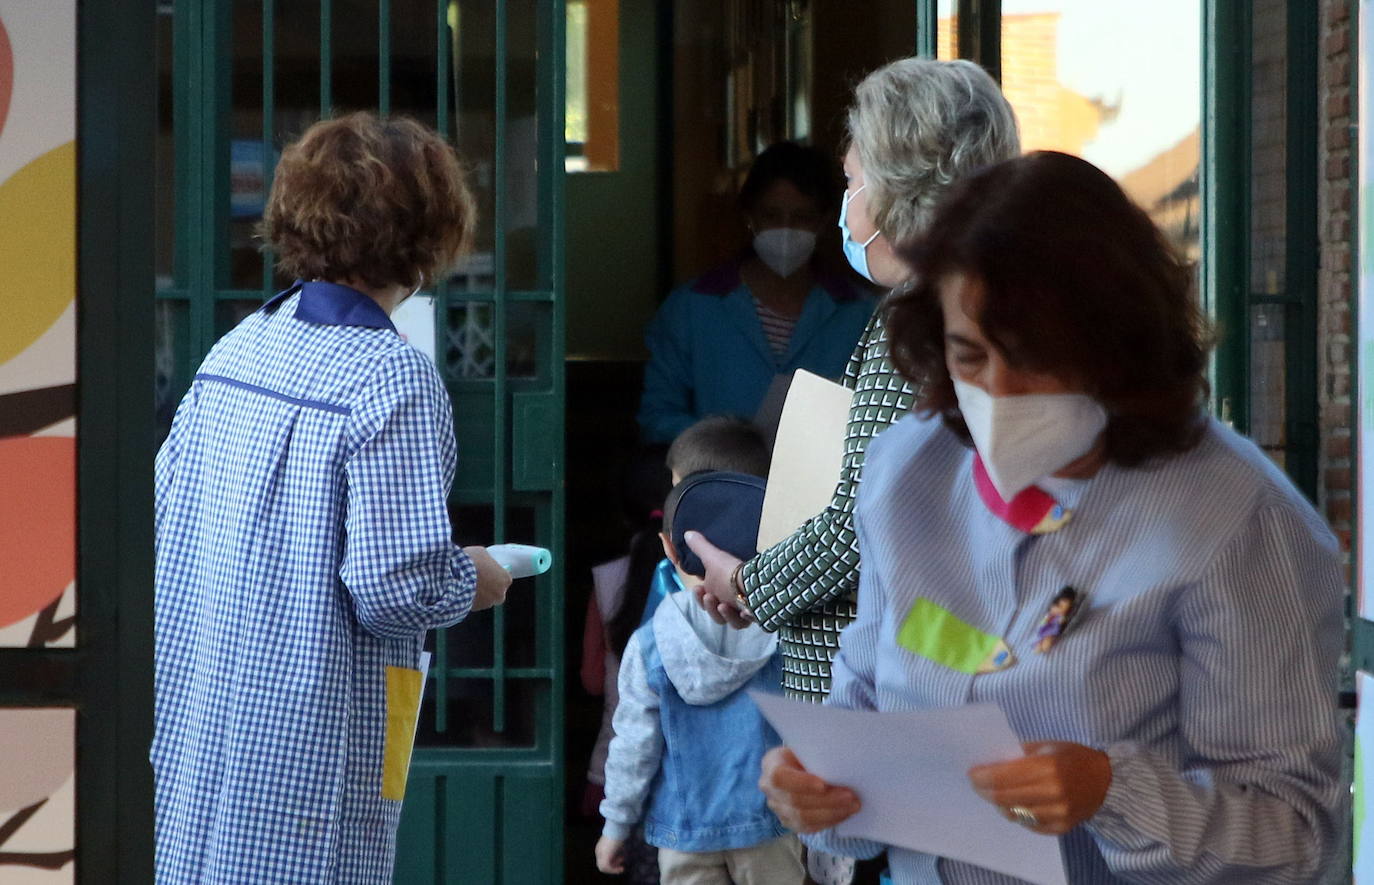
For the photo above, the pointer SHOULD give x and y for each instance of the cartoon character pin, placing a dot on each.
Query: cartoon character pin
(1062, 609)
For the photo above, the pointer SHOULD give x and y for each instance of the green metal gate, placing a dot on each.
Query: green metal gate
(241, 78)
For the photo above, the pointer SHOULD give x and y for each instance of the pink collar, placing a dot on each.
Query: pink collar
(1032, 511)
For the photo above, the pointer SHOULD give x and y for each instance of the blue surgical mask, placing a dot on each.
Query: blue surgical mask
(854, 252)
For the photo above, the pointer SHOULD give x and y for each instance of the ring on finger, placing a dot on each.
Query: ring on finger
(1023, 816)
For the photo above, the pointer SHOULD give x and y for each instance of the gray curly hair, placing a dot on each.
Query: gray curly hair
(918, 126)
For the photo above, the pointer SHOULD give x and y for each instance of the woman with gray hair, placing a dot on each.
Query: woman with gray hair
(915, 127)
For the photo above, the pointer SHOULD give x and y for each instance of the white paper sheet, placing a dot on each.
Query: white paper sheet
(425, 658)
(910, 772)
(807, 455)
(414, 319)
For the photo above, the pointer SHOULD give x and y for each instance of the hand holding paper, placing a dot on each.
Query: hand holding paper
(1061, 783)
(909, 772)
(803, 802)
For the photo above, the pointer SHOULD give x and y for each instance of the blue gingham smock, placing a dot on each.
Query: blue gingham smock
(1202, 660)
(303, 549)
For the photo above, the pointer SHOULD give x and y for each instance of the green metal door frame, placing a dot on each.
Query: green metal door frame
(113, 678)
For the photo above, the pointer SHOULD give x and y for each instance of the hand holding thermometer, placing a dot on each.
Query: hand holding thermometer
(521, 560)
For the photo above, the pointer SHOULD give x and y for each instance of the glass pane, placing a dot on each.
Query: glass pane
(172, 355)
(353, 37)
(295, 73)
(799, 72)
(165, 246)
(527, 339)
(1268, 149)
(592, 104)
(525, 250)
(470, 721)
(471, 28)
(414, 36)
(523, 624)
(229, 314)
(1268, 394)
(471, 340)
(246, 178)
(947, 29)
(1090, 79)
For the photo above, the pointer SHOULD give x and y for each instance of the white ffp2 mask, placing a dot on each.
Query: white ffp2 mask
(784, 249)
(1024, 438)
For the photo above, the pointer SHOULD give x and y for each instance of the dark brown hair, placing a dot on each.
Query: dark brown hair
(1078, 283)
(719, 442)
(383, 201)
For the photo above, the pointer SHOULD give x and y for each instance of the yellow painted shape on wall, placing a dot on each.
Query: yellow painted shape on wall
(37, 247)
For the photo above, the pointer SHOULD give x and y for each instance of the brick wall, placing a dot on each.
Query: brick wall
(1334, 283)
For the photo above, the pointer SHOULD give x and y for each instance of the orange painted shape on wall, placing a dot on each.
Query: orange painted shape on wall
(6, 74)
(37, 523)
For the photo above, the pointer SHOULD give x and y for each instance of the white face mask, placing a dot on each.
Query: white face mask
(1022, 439)
(784, 249)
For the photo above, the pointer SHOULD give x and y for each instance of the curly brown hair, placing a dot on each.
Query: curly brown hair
(1078, 283)
(383, 201)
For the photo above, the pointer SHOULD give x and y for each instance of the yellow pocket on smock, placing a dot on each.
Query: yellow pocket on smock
(934, 632)
(402, 706)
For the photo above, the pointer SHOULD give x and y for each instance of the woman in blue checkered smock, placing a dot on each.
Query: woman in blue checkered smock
(303, 538)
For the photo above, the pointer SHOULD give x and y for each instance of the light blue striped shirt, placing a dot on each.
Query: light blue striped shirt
(1203, 658)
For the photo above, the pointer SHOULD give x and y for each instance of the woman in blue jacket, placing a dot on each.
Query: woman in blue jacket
(717, 343)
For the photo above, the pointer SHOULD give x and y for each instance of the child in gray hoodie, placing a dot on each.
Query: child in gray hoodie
(688, 740)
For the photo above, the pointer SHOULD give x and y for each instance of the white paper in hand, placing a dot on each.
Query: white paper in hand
(807, 455)
(910, 771)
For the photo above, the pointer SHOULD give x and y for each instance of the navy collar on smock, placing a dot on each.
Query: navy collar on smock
(331, 304)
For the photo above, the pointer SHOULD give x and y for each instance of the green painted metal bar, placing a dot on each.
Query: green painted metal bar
(1301, 252)
(269, 71)
(441, 676)
(384, 56)
(551, 111)
(326, 58)
(500, 462)
(1225, 201)
(522, 762)
(927, 28)
(220, 83)
(189, 59)
(183, 198)
(529, 673)
(116, 123)
(441, 116)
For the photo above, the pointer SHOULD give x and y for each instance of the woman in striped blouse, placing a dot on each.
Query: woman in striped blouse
(1063, 531)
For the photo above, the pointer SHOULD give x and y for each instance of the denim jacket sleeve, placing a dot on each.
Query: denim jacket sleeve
(637, 748)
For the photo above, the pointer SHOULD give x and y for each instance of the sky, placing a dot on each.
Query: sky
(1147, 55)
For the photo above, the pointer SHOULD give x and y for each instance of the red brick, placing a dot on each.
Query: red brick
(1338, 104)
(1337, 479)
(1338, 510)
(1338, 167)
(1338, 138)
(1338, 446)
(1337, 42)
(1337, 12)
